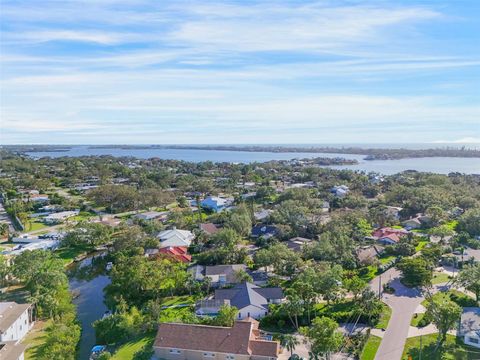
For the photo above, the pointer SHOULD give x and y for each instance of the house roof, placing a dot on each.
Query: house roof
(177, 252)
(470, 320)
(11, 350)
(262, 230)
(223, 269)
(176, 237)
(209, 228)
(369, 252)
(246, 294)
(10, 312)
(239, 339)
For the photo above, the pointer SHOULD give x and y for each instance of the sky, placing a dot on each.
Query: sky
(221, 72)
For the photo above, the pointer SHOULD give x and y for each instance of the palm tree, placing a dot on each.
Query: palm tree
(289, 342)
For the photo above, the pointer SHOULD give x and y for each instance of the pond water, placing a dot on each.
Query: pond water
(87, 281)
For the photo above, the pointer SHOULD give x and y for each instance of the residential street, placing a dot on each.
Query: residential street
(403, 303)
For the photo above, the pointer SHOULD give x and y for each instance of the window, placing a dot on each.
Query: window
(208, 354)
(175, 351)
(473, 340)
(230, 357)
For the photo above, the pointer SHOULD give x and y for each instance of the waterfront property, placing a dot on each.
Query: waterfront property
(250, 300)
(15, 322)
(242, 341)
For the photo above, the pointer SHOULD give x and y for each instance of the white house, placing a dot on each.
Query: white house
(340, 191)
(152, 215)
(57, 218)
(175, 237)
(15, 322)
(469, 328)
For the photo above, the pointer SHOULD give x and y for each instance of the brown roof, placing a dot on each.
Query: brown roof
(9, 313)
(237, 339)
(209, 228)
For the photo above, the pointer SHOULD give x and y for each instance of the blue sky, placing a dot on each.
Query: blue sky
(133, 71)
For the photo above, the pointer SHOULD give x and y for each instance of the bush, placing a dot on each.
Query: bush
(463, 300)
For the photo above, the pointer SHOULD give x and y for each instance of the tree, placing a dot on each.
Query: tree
(226, 316)
(293, 306)
(289, 342)
(470, 222)
(415, 271)
(442, 232)
(3, 230)
(469, 278)
(324, 336)
(241, 276)
(241, 220)
(4, 270)
(355, 285)
(444, 314)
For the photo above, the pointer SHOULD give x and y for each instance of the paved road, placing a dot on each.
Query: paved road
(403, 303)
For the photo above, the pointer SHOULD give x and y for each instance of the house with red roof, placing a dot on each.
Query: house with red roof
(177, 252)
(389, 236)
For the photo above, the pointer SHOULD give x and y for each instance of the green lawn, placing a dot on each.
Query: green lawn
(372, 272)
(384, 260)
(15, 293)
(453, 349)
(34, 340)
(421, 244)
(416, 319)
(34, 226)
(69, 254)
(128, 350)
(370, 348)
(439, 278)
(177, 314)
(384, 317)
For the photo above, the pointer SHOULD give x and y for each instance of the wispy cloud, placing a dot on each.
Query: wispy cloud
(143, 70)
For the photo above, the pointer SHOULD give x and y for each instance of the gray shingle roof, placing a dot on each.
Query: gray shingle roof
(246, 294)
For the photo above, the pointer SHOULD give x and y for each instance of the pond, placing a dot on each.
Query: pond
(87, 280)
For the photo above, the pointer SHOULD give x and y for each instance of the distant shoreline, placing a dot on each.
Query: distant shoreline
(370, 153)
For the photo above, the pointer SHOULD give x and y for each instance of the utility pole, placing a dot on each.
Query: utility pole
(420, 355)
(380, 287)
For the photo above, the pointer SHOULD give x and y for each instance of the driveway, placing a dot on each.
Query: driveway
(404, 303)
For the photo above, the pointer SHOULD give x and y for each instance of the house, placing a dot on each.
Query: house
(393, 212)
(15, 322)
(297, 243)
(242, 341)
(469, 328)
(38, 245)
(325, 206)
(40, 198)
(367, 254)
(26, 238)
(177, 252)
(262, 214)
(214, 203)
(389, 236)
(340, 191)
(265, 231)
(416, 222)
(175, 237)
(250, 300)
(221, 275)
(60, 217)
(152, 215)
(209, 228)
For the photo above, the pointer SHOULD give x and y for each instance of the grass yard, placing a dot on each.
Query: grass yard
(421, 244)
(372, 272)
(35, 226)
(453, 349)
(384, 260)
(439, 277)
(69, 254)
(15, 293)
(384, 317)
(128, 350)
(370, 348)
(177, 313)
(416, 319)
(34, 340)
